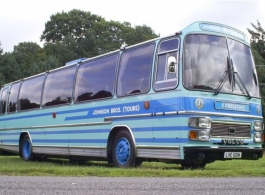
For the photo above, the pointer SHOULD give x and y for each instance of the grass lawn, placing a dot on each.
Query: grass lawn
(13, 165)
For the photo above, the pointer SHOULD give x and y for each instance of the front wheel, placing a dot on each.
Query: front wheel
(27, 153)
(194, 164)
(123, 151)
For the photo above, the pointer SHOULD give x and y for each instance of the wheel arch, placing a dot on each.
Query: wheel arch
(113, 132)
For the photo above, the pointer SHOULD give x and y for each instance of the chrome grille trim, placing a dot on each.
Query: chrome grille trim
(230, 130)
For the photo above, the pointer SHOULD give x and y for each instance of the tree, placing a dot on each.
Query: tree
(1, 50)
(28, 55)
(75, 24)
(90, 35)
(9, 68)
(257, 42)
(69, 36)
(258, 39)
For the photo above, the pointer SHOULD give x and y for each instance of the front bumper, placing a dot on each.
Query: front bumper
(212, 154)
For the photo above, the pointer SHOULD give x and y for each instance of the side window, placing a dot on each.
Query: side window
(95, 79)
(12, 106)
(58, 87)
(135, 70)
(30, 93)
(166, 74)
(4, 100)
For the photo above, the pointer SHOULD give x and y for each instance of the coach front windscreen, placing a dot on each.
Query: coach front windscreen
(220, 65)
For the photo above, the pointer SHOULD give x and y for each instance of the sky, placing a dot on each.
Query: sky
(24, 20)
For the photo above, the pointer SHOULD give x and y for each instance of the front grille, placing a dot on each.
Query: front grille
(230, 130)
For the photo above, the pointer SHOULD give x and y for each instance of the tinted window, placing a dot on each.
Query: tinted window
(168, 45)
(30, 93)
(58, 87)
(13, 97)
(95, 80)
(164, 78)
(135, 70)
(3, 100)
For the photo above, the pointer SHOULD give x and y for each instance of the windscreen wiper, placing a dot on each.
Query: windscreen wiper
(233, 79)
(236, 75)
(221, 83)
(227, 74)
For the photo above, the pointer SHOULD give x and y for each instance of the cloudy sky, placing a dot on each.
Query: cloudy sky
(24, 20)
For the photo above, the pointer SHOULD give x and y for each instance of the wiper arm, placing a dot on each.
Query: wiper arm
(226, 75)
(221, 83)
(236, 75)
(232, 75)
(242, 84)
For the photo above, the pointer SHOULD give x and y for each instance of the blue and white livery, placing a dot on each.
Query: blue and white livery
(189, 98)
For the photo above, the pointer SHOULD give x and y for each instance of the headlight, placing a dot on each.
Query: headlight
(200, 122)
(258, 125)
(258, 137)
(200, 135)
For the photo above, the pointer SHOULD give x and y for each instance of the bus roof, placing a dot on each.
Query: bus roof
(204, 26)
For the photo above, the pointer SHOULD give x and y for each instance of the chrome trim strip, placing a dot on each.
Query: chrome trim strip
(10, 148)
(157, 147)
(56, 126)
(159, 152)
(221, 114)
(68, 151)
(172, 113)
(110, 118)
(182, 113)
(225, 137)
(230, 122)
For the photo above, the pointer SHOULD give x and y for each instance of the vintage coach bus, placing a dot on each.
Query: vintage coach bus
(189, 98)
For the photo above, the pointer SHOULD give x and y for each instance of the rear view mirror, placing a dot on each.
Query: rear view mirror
(171, 64)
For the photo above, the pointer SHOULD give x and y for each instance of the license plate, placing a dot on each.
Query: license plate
(233, 155)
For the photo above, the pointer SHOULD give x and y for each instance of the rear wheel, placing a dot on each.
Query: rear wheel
(123, 150)
(27, 153)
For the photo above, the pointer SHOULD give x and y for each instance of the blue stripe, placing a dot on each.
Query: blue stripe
(140, 129)
(10, 141)
(72, 141)
(162, 140)
(188, 104)
(10, 133)
(73, 131)
(45, 114)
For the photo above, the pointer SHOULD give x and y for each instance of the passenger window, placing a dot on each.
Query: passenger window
(95, 79)
(13, 95)
(4, 100)
(30, 93)
(167, 71)
(135, 70)
(58, 87)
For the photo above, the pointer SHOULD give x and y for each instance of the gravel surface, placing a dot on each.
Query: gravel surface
(10, 185)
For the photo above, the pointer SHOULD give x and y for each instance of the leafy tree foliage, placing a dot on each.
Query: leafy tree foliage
(68, 36)
(79, 34)
(258, 39)
(1, 50)
(75, 23)
(258, 49)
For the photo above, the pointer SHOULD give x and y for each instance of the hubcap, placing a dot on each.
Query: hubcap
(26, 148)
(123, 150)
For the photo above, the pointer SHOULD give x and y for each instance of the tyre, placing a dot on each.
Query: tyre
(123, 151)
(194, 164)
(27, 154)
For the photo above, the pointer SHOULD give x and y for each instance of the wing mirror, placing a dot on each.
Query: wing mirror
(171, 64)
